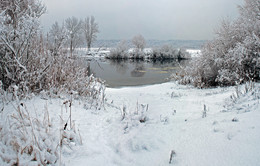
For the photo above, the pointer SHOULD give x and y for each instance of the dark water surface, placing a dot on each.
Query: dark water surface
(133, 73)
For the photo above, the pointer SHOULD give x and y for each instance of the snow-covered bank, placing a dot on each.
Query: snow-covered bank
(194, 52)
(142, 125)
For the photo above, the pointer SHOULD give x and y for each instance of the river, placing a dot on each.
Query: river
(133, 73)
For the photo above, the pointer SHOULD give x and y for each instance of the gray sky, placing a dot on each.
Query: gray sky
(154, 19)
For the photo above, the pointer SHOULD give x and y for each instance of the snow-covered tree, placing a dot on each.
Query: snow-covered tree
(233, 56)
(73, 27)
(19, 25)
(90, 28)
(139, 42)
(57, 38)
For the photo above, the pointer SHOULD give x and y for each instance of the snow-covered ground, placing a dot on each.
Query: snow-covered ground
(194, 52)
(143, 125)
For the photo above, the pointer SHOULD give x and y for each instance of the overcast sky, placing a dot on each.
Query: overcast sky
(154, 19)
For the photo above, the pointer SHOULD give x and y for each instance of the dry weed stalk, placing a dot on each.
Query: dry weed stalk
(30, 139)
(172, 155)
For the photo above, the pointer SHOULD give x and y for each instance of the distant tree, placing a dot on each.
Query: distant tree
(139, 42)
(57, 38)
(90, 29)
(122, 46)
(73, 27)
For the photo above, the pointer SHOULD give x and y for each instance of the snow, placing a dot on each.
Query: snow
(94, 52)
(194, 52)
(171, 117)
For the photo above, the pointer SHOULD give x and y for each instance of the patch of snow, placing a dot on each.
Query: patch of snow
(194, 52)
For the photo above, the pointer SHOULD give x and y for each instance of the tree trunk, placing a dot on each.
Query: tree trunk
(88, 47)
(71, 48)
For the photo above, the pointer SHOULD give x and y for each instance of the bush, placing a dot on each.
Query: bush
(168, 52)
(120, 52)
(233, 57)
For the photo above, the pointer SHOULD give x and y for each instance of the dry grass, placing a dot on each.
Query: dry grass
(26, 139)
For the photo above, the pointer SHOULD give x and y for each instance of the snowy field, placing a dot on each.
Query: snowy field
(143, 126)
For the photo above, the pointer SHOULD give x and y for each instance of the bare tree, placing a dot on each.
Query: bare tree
(139, 42)
(90, 29)
(73, 26)
(57, 36)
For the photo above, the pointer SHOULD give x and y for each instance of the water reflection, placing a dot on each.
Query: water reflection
(139, 70)
(121, 65)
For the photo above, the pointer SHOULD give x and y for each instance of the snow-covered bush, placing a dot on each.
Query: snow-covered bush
(120, 52)
(246, 98)
(19, 25)
(27, 139)
(233, 57)
(70, 74)
(168, 52)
